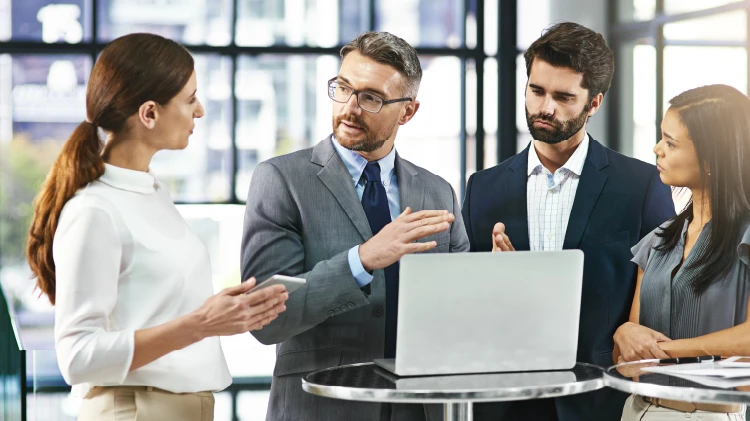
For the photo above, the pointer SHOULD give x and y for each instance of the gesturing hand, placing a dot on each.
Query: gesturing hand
(398, 238)
(500, 240)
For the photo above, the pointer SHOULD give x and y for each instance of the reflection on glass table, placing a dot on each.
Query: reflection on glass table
(636, 378)
(457, 393)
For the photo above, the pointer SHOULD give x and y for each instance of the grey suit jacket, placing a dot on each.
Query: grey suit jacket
(302, 217)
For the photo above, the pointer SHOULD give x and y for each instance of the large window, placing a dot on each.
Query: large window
(667, 47)
(262, 67)
(684, 44)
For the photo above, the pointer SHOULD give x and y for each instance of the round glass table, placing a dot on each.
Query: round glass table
(635, 378)
(457, 393)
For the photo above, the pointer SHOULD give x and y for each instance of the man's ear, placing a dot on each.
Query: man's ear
(148, 113)
(595, 103)
(409, 111)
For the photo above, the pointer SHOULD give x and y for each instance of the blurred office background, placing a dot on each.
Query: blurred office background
(262, 68)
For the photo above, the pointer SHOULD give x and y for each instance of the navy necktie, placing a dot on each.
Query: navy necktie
(375, 204)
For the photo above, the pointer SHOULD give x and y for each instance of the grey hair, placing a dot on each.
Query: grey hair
(388, 49)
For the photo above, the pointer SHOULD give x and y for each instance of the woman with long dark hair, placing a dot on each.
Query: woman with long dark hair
(136, 324)
(691, 297)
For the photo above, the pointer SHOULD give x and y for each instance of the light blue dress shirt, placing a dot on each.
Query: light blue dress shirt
(356, 166)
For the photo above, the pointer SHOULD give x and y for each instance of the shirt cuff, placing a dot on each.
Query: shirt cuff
(358, 271)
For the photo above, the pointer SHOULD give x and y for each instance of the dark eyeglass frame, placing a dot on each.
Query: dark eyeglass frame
(357, 92)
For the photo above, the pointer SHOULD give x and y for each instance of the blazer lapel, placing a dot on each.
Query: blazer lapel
(589, 189)
(410, 187)
(337, 179)
(515, 212)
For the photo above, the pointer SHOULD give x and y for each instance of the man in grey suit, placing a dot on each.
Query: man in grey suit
(341, 214)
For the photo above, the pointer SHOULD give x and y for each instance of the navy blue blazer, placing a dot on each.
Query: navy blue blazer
(618, 201)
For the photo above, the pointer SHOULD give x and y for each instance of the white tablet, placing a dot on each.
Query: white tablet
(291, 283)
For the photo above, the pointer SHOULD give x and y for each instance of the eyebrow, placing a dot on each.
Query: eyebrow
(669, 136)
(373, 90)
(563, 93)
(194, 92)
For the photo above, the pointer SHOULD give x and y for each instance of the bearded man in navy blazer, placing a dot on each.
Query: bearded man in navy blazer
(567, 191)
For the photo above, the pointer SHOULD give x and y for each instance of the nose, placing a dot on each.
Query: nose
(352, 106)
(200, 112)
(548, 106)
(658, 149)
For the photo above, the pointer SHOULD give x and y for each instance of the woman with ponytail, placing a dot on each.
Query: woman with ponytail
(136, 324)
(693, 285)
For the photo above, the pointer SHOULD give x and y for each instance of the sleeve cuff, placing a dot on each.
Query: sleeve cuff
(358, 271)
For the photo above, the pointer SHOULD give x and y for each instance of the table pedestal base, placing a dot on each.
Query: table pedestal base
(462, 411)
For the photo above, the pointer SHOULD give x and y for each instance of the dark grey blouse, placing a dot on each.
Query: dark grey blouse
(669, 305)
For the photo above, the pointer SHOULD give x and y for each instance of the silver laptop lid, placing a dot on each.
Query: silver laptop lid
(488, 312)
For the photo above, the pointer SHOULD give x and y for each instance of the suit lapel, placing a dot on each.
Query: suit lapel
(515, 212)
(337, 179)
(589, 189)
(410, 187)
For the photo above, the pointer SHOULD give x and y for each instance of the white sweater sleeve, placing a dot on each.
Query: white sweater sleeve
(87, 253)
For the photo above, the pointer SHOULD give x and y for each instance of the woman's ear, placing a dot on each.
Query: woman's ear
(148, 114)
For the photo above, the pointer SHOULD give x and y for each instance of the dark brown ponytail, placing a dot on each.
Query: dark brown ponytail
(79, 163)
(131, 70)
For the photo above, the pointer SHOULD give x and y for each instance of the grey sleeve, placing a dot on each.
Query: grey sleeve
(642, 251)
(744, 248)
(272, 244)
(459, 239)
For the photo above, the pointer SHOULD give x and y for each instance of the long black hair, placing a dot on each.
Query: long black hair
(717, 118)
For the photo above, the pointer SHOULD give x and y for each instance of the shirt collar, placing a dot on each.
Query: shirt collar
(130, 180)
(574, 164)
(355, 164)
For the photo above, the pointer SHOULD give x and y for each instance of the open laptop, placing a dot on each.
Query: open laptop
(487, 312)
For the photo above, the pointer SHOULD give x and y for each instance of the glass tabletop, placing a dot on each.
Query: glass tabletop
(368, 382)
(636, 378)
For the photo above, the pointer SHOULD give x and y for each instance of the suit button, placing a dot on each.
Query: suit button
(330, 313)
(377, 311)
(337, 310)
(351, 306)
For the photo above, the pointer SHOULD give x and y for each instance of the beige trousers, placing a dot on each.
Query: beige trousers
(636, 409)
(142, 403)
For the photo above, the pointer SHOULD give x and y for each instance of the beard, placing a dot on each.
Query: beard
(372, 141)
(562, 130)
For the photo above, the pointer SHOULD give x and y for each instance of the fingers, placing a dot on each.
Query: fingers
(660, 337)
(266, 317)
(264, 294)
(501, 242)
(657, 352)
(423, 214)
(268, 304)
(419, 247)
(499, 228)
(242, 288)
(425, 231)
(433, 220)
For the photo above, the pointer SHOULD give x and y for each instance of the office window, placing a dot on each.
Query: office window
(263, 23)
(727, 27)
(42, 99)
(191, 22)
(46, 21)
(684, 6)
(423, 23)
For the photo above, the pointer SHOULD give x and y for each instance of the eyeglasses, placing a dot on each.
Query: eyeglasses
(367, 101)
